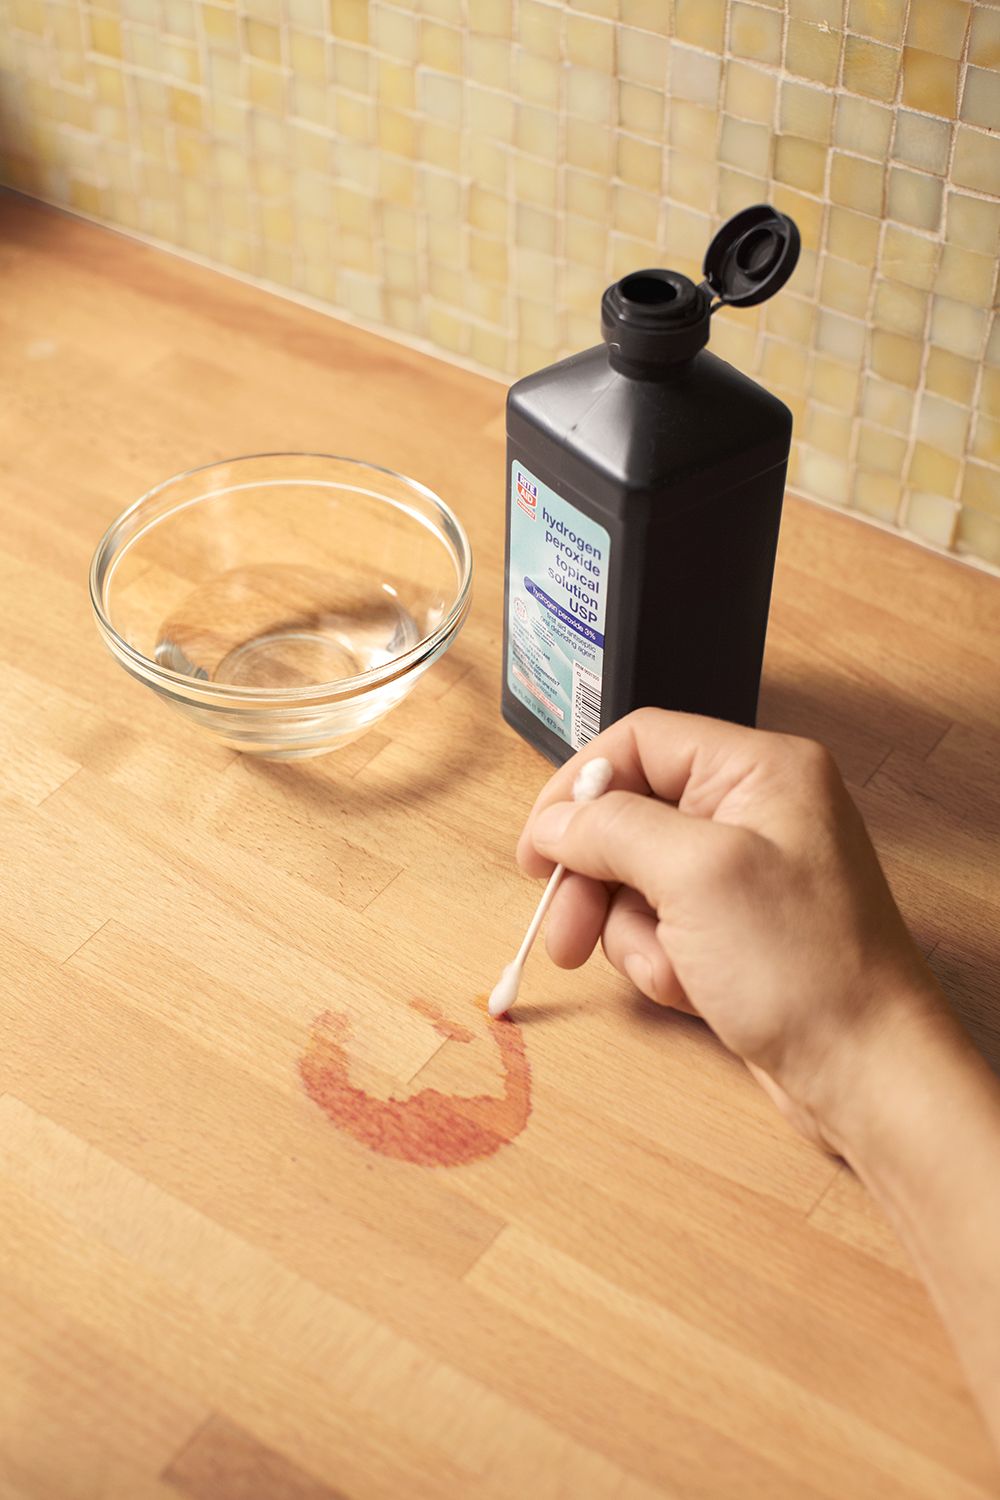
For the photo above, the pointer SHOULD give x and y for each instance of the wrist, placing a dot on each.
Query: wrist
(899, 1082)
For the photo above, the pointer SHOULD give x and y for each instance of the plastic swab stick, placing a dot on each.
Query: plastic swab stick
(593, 778)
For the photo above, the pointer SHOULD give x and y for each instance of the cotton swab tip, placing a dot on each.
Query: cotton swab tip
(592, 779)
(505, 991)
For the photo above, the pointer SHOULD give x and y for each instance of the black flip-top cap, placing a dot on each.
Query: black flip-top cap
(752, 256)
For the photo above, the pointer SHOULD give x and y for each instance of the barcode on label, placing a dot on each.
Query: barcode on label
(586, 706)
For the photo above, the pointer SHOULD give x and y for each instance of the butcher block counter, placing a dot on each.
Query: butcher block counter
(212, 1283)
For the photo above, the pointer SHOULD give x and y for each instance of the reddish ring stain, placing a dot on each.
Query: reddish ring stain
(429, 1128)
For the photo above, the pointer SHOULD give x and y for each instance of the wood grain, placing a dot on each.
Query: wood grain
(206, 1287)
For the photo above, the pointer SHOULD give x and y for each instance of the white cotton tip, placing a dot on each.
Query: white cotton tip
(592, 779)
(505, 991)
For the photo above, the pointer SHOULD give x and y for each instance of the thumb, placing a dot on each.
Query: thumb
(633, 840)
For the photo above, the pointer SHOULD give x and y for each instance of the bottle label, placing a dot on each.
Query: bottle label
(556, 602)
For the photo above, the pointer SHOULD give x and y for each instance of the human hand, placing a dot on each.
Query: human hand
(729, 873)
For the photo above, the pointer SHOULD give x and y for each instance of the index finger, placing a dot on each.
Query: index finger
(658, 751)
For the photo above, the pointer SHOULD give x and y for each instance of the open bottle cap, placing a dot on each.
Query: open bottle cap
(752, 256)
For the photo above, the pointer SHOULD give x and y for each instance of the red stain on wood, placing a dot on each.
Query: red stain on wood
(428, 1128)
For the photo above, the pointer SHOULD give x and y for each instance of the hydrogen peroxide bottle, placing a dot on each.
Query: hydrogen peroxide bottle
(645, 479)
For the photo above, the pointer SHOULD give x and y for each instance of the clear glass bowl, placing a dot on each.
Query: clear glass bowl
(284, 601)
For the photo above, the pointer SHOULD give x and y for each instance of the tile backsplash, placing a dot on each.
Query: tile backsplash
(474, 172)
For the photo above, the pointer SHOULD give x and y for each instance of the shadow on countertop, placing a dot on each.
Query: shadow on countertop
(928, 785)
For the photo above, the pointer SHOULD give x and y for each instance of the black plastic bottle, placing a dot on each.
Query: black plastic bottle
(644, 487)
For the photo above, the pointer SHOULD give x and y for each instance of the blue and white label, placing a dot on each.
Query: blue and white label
(556, 608)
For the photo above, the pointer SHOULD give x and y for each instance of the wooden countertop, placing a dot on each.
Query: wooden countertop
(208, 1288)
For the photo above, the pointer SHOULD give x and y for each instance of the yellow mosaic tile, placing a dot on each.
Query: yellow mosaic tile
(800, 163)
(973, 222)
(755, 34)
(930, 82)
(539, 28)
(690, 180)
(909, 257)
(914, 198)
(951, 375)
(976, 161)
(984, 37)
(348, 20)
(647, 15)
(901, 308)
(827, 430)
(746, 146)
(640, 164)
(896, 357)
(535, 132)
(938, 25)
(943, 424)
(887, 405)
(351, 67)
(700, 22)
(642, 59)
(540, 80)
(641, 110)
(591, 147)
(879, 451)
(881, 19)
(931, 517)
(841, 337)
(979, 488)
(856, 184)
(494, 17)
(806, 112)
(878, 495)
(869, 68)
(822, 475)
(694, 76)
(835, 384)
(105, 37)
(590, 43)
(441, 47)
(852, 235)
(473, 172)
(813, 52)
(978, 536)
(845, 286)
(930, 469)
(986, 440)
(921, 141)
(990, 393)
(734, 190)
(590, 95)
(750, 92)
(965, 275)
(692, 130)
(958, 327)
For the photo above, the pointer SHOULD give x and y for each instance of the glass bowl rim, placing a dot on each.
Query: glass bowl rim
(447, 527)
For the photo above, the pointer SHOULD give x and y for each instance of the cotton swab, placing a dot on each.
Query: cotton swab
(593, 778)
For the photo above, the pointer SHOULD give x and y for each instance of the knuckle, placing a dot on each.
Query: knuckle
(612, 814)
(641, 718)
(812, 759)
(734, 859)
